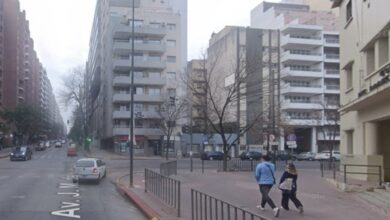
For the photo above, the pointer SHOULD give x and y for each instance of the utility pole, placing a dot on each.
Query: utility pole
(131, 146)
(191, 162)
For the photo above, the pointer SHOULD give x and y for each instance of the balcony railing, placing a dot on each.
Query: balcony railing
(332, 87)
(332, 41)
(303, 85)
(332, 56)
(333, 72)
(305, 53)
(306, 37)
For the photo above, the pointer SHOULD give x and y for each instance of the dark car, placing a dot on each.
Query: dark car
(306, 156)
(283, 156)
(213, 155)
(250, 155)
(20, 153)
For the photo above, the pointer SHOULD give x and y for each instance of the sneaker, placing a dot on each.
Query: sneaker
(260, 207)
(276, 212)
(284, 208)
(300, 208)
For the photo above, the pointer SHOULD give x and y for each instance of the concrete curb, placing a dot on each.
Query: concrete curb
(136, 200)
(4, 156)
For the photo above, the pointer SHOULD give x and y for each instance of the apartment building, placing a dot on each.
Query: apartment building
(365, 87)
(23, 79)
(308, 79)
(159, 60)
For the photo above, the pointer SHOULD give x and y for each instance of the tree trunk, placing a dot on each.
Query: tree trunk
(225, 153)
(167, 147)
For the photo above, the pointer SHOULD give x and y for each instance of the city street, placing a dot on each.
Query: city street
(42, 189)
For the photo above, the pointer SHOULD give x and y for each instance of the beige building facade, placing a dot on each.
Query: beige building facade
(364, 84)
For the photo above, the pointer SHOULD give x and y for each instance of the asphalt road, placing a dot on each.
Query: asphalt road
(42, 188)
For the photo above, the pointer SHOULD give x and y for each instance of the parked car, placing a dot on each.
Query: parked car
(47, 144)
(40, 146)
(250, 155)
(58, 144)
(283, 155)
(72, 150)
(306, 156)
(325, 155)
(89, 169)
(21, 153)
(63, 142)
(214, 155)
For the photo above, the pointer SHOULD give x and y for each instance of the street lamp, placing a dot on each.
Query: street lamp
(131, 136)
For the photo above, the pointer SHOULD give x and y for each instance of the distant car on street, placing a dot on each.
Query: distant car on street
(250, 155)
(306, 156)
(72, 150)
(21, 153)
(58, 144)
(89, 169)
(40, 146)
(325, 155)
(63, 142)
(283, 156)
(214, 155)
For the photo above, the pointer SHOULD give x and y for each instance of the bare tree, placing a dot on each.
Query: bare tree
(171, 111)
(224, 89)
(74, 95)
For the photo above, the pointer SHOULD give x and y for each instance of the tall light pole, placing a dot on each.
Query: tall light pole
(131, 144)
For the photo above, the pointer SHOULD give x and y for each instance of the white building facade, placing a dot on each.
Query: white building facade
(309, 73)
(159, 60)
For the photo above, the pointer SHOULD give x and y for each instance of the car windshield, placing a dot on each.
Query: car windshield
(85, 163)
(20, 149)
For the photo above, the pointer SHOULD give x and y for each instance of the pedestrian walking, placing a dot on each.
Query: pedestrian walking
(288, 185)
(265, 179)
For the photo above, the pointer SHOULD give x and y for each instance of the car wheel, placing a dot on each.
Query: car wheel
(98, 180)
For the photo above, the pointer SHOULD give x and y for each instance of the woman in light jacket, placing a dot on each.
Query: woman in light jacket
(288, 185)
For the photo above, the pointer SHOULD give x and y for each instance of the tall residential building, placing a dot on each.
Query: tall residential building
(23, 79)
(159, 62)
(365, 87)
(308, 77)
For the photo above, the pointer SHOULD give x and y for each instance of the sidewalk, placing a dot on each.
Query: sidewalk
(5, 152)
(321, 200)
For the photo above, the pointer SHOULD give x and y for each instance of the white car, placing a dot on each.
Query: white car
(325, 155)
(89, 169)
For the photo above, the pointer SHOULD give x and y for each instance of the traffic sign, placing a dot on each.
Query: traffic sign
(293, 146)
(291, 143)
(291, 137)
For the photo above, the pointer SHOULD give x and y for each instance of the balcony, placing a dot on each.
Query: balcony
(144, 114)
(332, 58)
(327, 136)
(290, 104)
(305, 121)
(300, 56)
(137, 131)
(332, 73)
(121, 97)
(125, 64)
(331, 42)
(126, 80)
(310, 89)
(148, 98)
(125, 47)
(124, 31)
(300, 40)
(332, 89)
(289, 73)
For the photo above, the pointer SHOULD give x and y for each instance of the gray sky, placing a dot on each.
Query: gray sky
(61, 29)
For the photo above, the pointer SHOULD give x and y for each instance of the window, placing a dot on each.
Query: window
(154, 74)
(171, 59)
(349, 10)
(370, 60)
(154, 91)
(155, 25)
(348, 77)
(139, 90)
(171, 43)
(349, 140)
(171, 75)
(171, 26)
(154, 58)
(137, 23)
(139, 123)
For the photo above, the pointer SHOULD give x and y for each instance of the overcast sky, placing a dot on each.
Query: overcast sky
(61, 29)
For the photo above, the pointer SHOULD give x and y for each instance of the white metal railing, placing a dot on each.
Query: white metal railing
(332, 72)
(332, 56)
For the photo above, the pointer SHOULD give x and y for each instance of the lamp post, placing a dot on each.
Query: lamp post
(131, 136)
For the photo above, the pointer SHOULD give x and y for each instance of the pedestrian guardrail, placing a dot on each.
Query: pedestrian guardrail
(332, 165)
(369, 172)
(168, 168)
(236, 164)
(164, 187)
(207, 207)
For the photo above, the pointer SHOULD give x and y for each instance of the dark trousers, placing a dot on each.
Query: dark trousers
(293, 196)
(264, 190)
